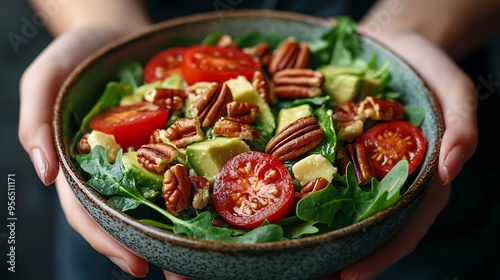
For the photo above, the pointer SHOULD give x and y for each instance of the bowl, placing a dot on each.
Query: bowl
(305, 258)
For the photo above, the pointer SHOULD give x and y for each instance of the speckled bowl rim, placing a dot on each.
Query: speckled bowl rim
(418, 188)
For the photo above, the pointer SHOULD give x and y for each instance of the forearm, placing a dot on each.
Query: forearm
(457, 26)
(118, 16)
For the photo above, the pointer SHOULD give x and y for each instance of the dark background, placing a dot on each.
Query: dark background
(462, 245)
(35, 203)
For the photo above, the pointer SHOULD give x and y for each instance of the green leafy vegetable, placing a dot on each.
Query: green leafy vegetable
(355, 203)
(130, 73)
(338, 47)
(110, 180)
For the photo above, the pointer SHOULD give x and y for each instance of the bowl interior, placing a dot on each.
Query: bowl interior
(84, 86)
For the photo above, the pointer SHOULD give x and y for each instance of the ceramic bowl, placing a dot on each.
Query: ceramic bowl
(306, 258)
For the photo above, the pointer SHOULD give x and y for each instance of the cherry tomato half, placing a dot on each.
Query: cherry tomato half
(216, 64)
(388, 143)
(163, 64)
(253, 187)
(131, 125)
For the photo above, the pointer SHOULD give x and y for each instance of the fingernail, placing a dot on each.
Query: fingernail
(40, 164)
(363, 276)
(453, 163)
(121, 263)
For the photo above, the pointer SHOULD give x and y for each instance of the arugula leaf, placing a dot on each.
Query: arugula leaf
(111, 180)
(110, 97)
(355, 203)
(130, 73)
(251, 39)
(414, 114)
(337, 47)
(328, 145)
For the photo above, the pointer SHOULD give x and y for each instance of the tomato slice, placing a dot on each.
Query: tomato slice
(388, 143)
(253, 187)
(131, 125)
(163, 64)
(216, 64)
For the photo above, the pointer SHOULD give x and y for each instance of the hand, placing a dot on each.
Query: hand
(453, 90)
(39, 86)
(38, 89)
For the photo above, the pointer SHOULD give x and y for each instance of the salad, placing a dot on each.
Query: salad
(256, 138)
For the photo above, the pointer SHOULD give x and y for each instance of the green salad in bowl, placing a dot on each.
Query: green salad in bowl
(244, 140)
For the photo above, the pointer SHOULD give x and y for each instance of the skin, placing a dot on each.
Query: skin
(427, 34)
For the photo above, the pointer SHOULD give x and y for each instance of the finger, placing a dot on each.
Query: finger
(103, 243)
(38, 89)
(456, 95)
(405, 240)
(172, 276)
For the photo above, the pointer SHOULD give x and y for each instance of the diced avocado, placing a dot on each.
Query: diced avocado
(207, 157)
(312, 167)
(288, 115)
(344, 88)
(143, 177)
(173, 81)
(243, 91)
(368, 86)
(342, 84)
(107, 141)
(330, 71)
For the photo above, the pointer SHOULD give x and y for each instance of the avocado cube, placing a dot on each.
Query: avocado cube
(207, 157)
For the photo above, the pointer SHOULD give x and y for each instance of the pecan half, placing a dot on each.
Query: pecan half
(158, 136)
(176, 189)
(295, 139)
(244, 112)
(297, 83)
(83, 146)
(290, 54)
(210, 104)
(264, 87)
(200, 189)
(156, 156)
(235, 129)
(184, 132)
(262, 52)
(313, 186)
(226, 41)
(380, 109)
(356, 153)
(172, 99)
